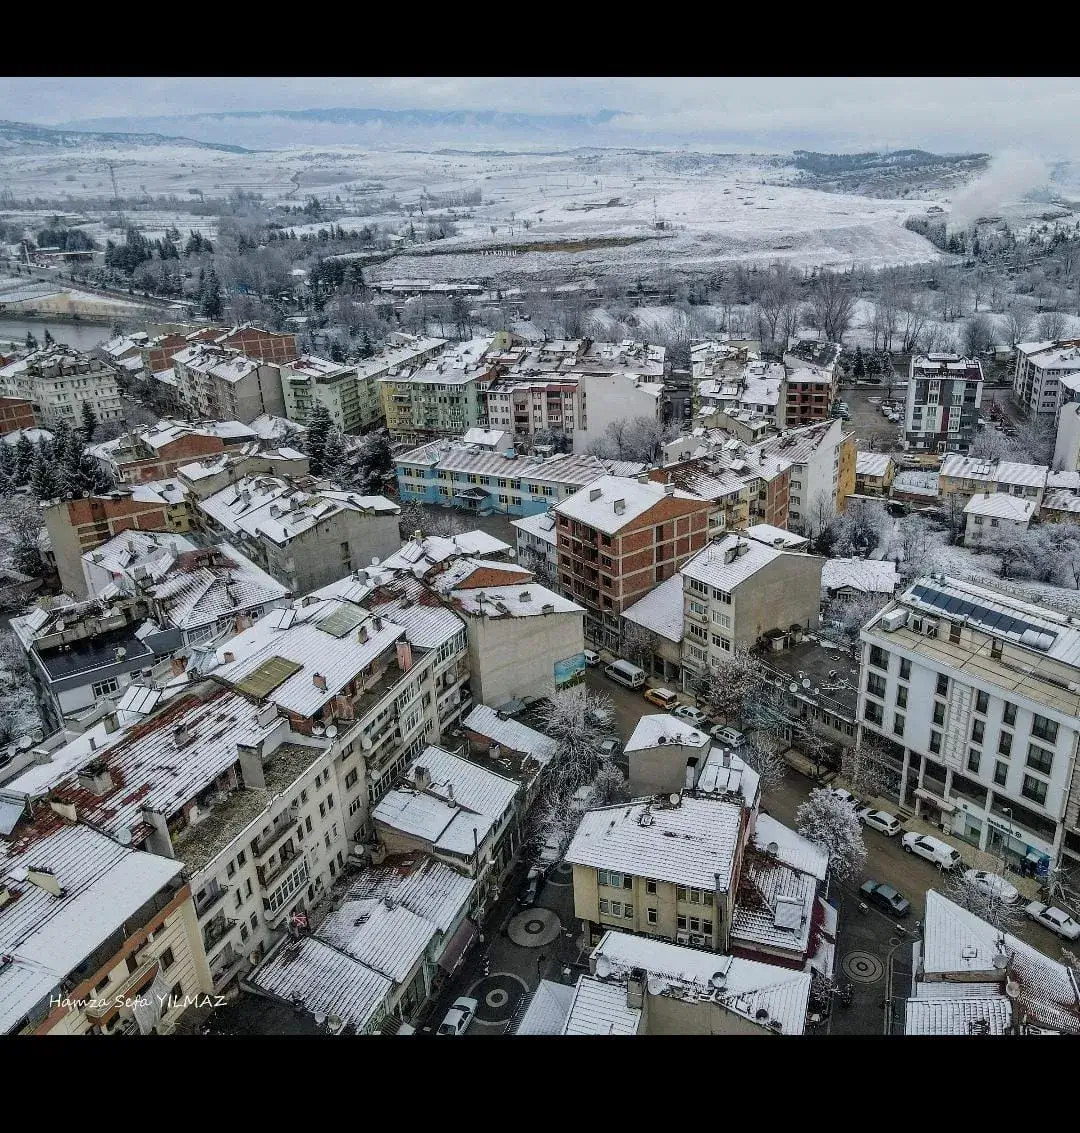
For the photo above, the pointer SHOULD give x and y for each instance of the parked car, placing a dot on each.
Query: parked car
(888, 824)
(1053, 919)
(725, 734)
(885, 898)
(610, 747)
(458, 1018)
(662, 698)
(993, 884)
(591, 658)
(530, 891)
(845, 796)
(690, 713)
(943, 855)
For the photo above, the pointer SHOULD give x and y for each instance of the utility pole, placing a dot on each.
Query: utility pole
(111, 166)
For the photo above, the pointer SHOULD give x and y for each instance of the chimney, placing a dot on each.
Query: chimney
(182, 736)
(229, 656)
(450, 794)
(594, 494)
(362, 634)
(96, 778)
(319, 681)
(669, 489)
(620, 506)
(404, 656)
(643, 478)
(418, 536)
(421, 777)
(635, 989)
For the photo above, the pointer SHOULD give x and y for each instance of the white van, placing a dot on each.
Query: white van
(933, 849)
(625, 674)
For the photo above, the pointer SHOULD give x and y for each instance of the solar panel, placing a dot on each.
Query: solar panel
(266, 677)
(342, 621)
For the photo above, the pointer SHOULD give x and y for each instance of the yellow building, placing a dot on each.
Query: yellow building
(874, 473)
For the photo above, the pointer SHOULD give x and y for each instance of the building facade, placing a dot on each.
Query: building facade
(942, 405)
(59, 381)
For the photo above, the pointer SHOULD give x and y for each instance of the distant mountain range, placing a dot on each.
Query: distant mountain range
(28, 135)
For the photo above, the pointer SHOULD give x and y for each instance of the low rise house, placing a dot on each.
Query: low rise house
(857, 578)
(509, 748)
(916, 487)
(1060, 507)
(874, 473)
(426, 556)
(777, 537)
(995, 515)
(969, 476)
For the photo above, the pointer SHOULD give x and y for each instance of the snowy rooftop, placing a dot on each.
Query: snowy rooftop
(612, 502)
(383, 935)
(523, 600)
(774, 905)
(717, 566)
(124, 553)
(810, 375)
(1052, 355)
(659, 729)
(1010, 472)
(459, 808)
(797, 446)
(548, 1009)
(309, 366)
(1066, 480)
(1062, 500)
(485, 438)
(872, 463)
(46, 937)
(661, 610)
(275, 429)
(688, 844)
(599, 1008)
(420, 556)
(776, 537)
(422, 884)
(868, 576)
(391, 357)
(470, 574)
(791, 847)
(723, 771)
(1001, 505)
(326, 981)
(990, 1015)
(542, 525)
(407, 603)
(747, 987)
(510, 733)
(916, 483)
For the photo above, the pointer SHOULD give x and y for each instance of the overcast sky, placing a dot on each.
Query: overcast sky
(941, 113)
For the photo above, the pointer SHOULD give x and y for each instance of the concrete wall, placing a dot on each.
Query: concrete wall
(609, 397)
(783, 592)
(515, 657)
(662, 770)
(666, 1015)
(1067, 447)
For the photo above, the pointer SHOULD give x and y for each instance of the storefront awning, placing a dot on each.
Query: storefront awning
(934, 800)
(459, 944)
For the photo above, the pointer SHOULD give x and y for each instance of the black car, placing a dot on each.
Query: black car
(885, 898)
(530, 891)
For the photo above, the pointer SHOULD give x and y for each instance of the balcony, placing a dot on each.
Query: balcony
(268, 877)
(218, 928)
(227, 970)
(283, 826)
(210, 901)
(136, 982)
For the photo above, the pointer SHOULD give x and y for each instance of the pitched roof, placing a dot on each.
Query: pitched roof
(872, 463)
(991, 1015)
(869, 576)
(714, 565)
(523, 600)
(1001, 505)
(791, 847)
(600, 1008)
(656, 728)
(510, 733)
(547, 1011)
(599, 504)
(956, 466)
(661, 610)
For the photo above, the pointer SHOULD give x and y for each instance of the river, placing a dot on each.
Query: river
(81, 335)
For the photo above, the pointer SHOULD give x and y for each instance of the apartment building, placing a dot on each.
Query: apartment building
(215, 382)
(969, 476)
(477, 478)
(58, 381)
(942, 405)
(822, 474)
(444, 396)
(971, 695)
(1067, 440)
(808, 396)
(88, 928)
(874, 473)
(620, 537)
(350, 394)
(263, 345)
(154, 452)
(304, 537)
(537, 540)
(512, 749)
(1042, 371)
(16, 413)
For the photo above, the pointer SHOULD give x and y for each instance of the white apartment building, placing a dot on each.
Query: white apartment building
(58, 381)
(1041, 368)
(822, 459)
(536, 539)
(974, 697)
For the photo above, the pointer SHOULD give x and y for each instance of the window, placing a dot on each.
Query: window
(1009, 714)
(706, 927)
(650, 887)
(935, 742)
(239, 899)
(616, 908)
(695, 924)
(680, 921)
(1033, 789)
(628, 910)
(879, 658)
(1044, 729)
(247, 888)
(614, 880)
(901, 696)
(695, 898)
(978, 728)
(254, 921)
(241, 858)
(942, 685)
(898, 724)
(874, 712)
(875, 685)
(939, 713)
(351, 778)
(973, 760)
(103, 688)
(680, 893)
(230, 869)
(166, 959)
(651, 915)
(905, 669)
(995, 650)
(603, 905)
(982, 702)
(1039, 759)
(244, 934)
(1001, 773)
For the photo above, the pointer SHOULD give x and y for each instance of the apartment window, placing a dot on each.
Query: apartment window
(905, 669)
(628, 910)
(351, 778)
(651, 916)
(1009, 714)
(1044, 729)
(935, 742)
(982, 702)
(614, 880)
(1005, 743)
(1039, 759)
(603, 905)
(973, 760)
(942, 685)
(1034, 789)
(978, 728)
(706, 927)
(939, 713)
(1001, 773)
(166, 959)
(898, 724)
(875, 685)
(239, 899)
(954, 633)
(254, 922)
(650, 888)
(680, 893)
(247, 888)
(874, 712)
(322, 810)
(878, 657)
(230, 869)
(307, 824)
(695, 897)
(680, 922)
(103, 688)
(901, 696)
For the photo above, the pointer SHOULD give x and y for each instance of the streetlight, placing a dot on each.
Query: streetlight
(1005, 810)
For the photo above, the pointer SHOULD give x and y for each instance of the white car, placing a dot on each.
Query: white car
(689, 712)
(844, 796)
(458, 1017)
(725, 734)
(992, 884)
(933, 849)
(591, 658)
(1053, 919)
(882, 820)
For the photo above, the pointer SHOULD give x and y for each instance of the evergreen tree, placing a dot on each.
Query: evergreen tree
(366, 349)
(7, 461)
(31, 341)
(859, 369)
(24, 458)
(376, 462)
(45, 483)
(89, 421)
(49, 340)
(212, 306)
(335, 456)
(319, 427)
(337, 352)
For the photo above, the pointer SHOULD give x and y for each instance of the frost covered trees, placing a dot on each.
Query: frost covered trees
(413, 518)
(832, 304)
(984, 902)
(725, 690)
(831, 823)
(19, 711)
(867, 770)
(633, 438)
(762, 754)
(637, 645)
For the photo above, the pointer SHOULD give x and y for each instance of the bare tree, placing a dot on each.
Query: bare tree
(1015, 323)
(832, 301)
(912, 319)
(762, 754)
(867, 770)
(984, 900)
(727, 688)
(1051, 325)
(638, 644)
(977, 335)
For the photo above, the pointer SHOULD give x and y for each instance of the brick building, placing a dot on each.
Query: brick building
(16, 413)
(154, 453)
(618, 538)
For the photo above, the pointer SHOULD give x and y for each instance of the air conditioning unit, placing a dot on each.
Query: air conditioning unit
(929, 627)
(682, 938)
(893, 620)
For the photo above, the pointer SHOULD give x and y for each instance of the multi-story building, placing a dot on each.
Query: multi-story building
(97, 936)
(264, 345)
(942, 407)
(1042, 368)
(16, 413)
(972, 696)
(620, 537)
(444, 396)
(155, 452)
(739, 592)
(996, 515)
(476, 478)
(304, 537)
(756, 389)
(968, 476)
(217, 383)
(822, 475)
(808, 396)
(874, 472)
(58, 381)
(537, 540)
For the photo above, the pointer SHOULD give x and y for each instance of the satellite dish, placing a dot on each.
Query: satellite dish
(772, 848)
(333, 1022)
(1012, 989)
(603, 967)
(655, 985)
(374, 560)
(331, 732)
(806, 682)
(793, 687)
(674, 799)
(25, 743)
(37, 735)
(1000, 962)
(718, 980)
(317, 730)
(123, 836)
